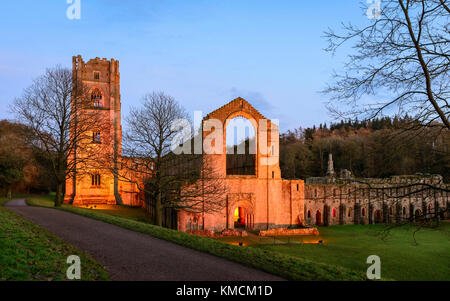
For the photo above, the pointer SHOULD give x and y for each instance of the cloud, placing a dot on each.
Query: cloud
(265, 107)
(256, 99)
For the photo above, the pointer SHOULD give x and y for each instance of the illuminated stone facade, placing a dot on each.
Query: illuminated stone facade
(261, 200)
(92, 182)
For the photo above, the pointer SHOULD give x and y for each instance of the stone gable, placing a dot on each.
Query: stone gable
(237, 105)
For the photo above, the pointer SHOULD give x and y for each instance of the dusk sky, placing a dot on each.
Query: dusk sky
(204, 53)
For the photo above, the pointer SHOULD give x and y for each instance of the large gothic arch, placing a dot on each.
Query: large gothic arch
(240, 107)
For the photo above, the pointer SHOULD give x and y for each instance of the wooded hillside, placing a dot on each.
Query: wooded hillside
(377, 148)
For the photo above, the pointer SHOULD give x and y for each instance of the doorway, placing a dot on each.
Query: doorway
(418, 215)
(377, 216)
(318, 218)
(239, 218)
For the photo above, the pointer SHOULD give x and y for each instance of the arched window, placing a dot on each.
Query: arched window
(195, 224)
(418, 213)
(241, 147)
(96, 180)
(315, 193)
(363, 211)
(334, 192)
(96, 137)
(96, 98)
(391, 210)
(318, 218)
(349, 212)
(309, 213)
(404, 211)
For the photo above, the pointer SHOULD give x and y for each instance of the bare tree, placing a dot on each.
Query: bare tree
(400, 65)
(181, 182)
(56, 111)
(402, 59)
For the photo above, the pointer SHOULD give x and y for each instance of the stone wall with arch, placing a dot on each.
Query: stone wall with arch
(267, 200)
(358, 204)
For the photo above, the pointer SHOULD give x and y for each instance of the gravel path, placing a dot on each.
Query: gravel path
(129, 255)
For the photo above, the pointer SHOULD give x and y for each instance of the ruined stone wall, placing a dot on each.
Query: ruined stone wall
(266, 200)
(334, 204)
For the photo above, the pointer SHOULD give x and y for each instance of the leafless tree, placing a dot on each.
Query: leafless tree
(400, 65)
(181, 182)
(56, 111)
(402, 59)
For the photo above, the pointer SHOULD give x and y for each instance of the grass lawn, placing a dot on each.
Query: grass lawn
(342, 256)
(29, 252)
(349, 246)
(285, 265)
(136, 214)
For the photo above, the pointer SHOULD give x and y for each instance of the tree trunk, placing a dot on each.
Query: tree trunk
(59, 194)
(424, 66)
(436, 212)
(158, 213)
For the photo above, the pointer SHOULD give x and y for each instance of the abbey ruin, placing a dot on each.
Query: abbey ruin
(256, 197)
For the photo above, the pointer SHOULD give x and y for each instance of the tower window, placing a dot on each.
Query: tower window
(273, 174)
(96, 180)
(96, 137)
(96, 75)
(96, 98)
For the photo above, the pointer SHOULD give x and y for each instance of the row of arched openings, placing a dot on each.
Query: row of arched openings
(377, 214)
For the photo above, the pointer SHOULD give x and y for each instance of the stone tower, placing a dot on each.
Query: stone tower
(101, 78)
(330, 170)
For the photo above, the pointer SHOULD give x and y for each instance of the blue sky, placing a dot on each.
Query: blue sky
(204, 53)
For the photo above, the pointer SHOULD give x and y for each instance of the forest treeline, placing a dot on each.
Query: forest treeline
(23, 168)
(381, 147)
